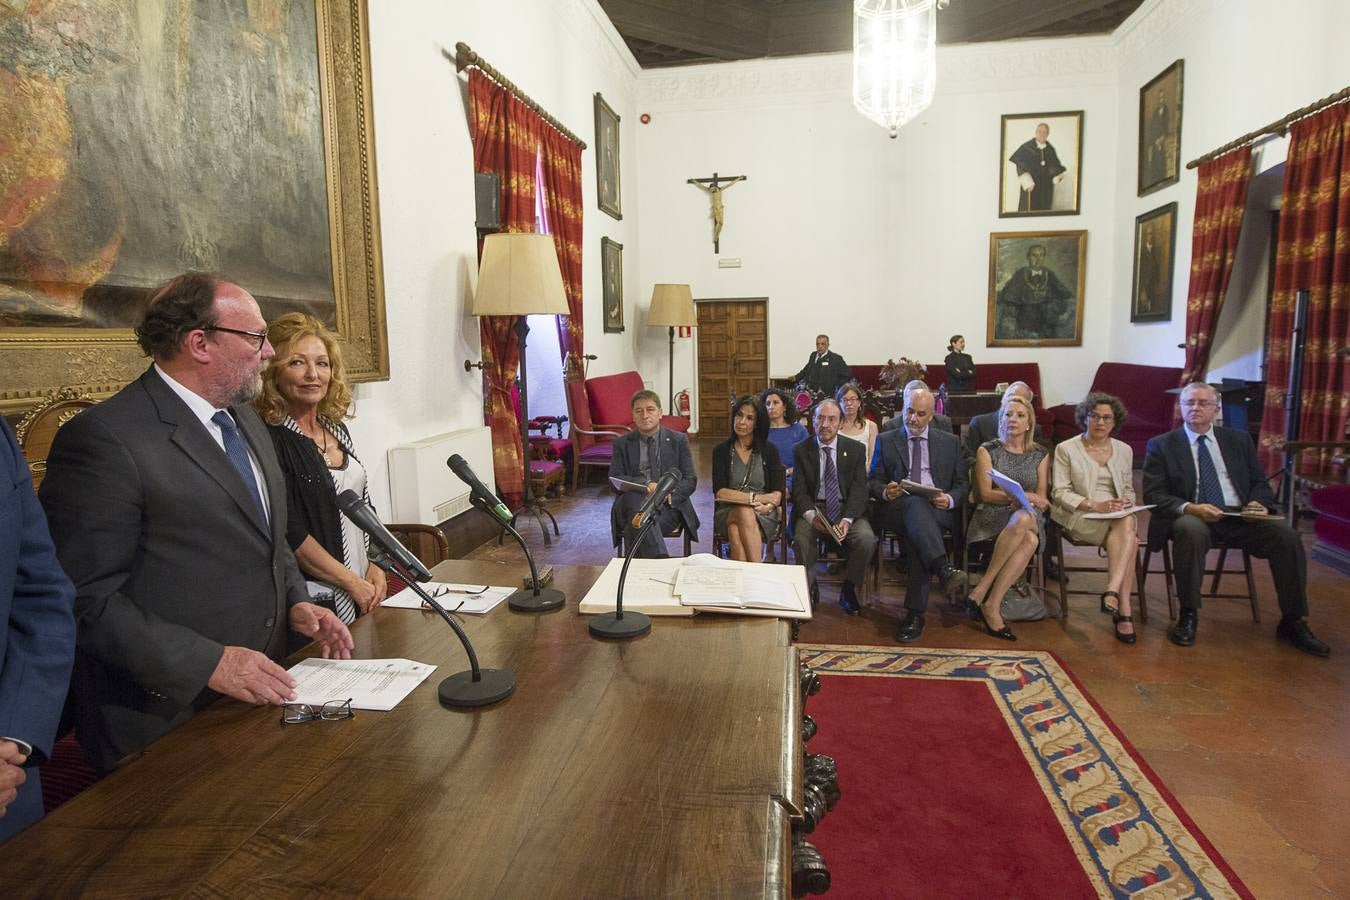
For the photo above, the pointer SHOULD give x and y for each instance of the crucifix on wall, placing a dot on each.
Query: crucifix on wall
(714, 186)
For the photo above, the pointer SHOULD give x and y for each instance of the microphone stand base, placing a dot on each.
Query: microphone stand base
(526, 600)
(461, 691)
(609, 625)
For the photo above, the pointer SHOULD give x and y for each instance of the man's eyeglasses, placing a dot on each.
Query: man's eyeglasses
(333, 710)
(256, 338)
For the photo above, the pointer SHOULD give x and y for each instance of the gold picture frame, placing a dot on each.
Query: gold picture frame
(100, 360)
(607, 188)
(611, 267)
(1036, 286)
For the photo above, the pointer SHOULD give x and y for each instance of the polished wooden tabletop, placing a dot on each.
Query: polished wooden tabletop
(662, 766)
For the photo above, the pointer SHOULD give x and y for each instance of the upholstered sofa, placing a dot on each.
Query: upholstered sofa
(1143, 390)
(1332, 526)
(987, 377)
(611, 399)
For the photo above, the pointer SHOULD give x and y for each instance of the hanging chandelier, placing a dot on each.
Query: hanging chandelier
(894, 59)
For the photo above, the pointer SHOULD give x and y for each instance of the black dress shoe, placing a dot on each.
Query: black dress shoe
(911, 627)
(848, 598)
(955, 583)
(815, 594)
(1004, 634)
(1296, 632)
(1183, 635)
(1125, 638)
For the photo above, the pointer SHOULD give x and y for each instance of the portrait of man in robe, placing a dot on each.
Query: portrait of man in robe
(1041, 155)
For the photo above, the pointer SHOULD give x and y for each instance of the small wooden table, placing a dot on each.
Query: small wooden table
(664, 766)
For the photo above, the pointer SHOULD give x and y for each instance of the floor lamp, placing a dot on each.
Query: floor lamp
(519, 276)
(672, 305)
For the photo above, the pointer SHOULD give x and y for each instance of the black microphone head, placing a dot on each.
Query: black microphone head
(348, 500)
(675, 473)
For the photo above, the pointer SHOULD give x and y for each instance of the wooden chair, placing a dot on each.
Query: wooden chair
(427, 542)
(678, 532)
(37, 429)
(1056, 536)
(1219, 570)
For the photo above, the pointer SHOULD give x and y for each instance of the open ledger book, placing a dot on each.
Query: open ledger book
(682, 586)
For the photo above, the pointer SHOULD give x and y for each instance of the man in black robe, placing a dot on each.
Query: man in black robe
(1034, 304)
(1038, 171)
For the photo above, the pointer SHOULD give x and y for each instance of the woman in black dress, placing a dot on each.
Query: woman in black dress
(960, 367)
(748, 482)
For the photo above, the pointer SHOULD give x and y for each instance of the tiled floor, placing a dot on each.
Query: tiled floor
(1252, 736)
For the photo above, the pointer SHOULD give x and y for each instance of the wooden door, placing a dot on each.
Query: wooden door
(733, 358)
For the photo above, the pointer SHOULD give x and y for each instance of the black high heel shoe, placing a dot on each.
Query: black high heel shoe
(1003, 634)
(1116, 620)
(1108, 608)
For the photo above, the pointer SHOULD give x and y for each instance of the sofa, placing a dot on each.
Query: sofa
(1332, 526)
(1143, 390)
(987, 377)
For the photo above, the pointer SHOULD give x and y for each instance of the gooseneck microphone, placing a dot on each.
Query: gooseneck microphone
(477, 490)
(363, 517)
(620, 625)
(664, 487)
(528, 599)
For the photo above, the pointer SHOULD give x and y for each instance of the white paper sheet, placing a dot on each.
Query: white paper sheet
(378, 684)
(1119, 514)
(454, 597)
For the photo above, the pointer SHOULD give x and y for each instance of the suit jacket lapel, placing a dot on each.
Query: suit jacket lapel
(191, 436)
(1189, 477)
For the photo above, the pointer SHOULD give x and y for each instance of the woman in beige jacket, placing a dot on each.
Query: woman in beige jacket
(1094, 474)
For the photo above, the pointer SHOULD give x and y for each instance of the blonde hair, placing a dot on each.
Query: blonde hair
(284, 332)
(1031, 420)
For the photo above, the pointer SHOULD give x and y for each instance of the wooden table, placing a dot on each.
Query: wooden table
(964, 407)
(664, 766)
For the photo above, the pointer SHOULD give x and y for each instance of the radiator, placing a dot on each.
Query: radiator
(423, 489)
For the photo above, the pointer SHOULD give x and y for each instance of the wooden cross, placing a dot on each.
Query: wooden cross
(714, 186)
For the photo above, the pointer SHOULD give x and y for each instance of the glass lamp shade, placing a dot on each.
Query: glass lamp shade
(672, 304)
(519, 276)
(894, 59)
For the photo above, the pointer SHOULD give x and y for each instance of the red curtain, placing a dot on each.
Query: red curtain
(562, 196)
(1313, 252)
(506, 135)
(1221, 198)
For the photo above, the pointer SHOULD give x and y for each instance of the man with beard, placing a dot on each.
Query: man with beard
(168, 511)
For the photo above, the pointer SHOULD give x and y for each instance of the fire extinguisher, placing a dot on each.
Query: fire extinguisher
(682, 403)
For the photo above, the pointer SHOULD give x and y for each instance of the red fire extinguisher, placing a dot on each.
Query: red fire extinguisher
(682, 403)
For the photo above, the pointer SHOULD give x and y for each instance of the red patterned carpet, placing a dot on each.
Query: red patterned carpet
(991, 774)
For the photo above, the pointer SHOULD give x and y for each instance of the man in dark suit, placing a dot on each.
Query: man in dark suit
(825, 370)
(939, 421)
(921, 453)
(984, 427)
(1196, 491)
(168, 511)
(37, 605)
(644, 456)
(829, 483)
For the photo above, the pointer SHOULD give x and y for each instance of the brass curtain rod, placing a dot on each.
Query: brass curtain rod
(465, 57)
(1280, 127)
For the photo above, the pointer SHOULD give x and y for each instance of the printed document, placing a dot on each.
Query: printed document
(370, 683)
(466, 598)
(1119, 514)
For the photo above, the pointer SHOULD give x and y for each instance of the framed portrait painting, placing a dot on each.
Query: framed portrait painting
(607, 158)
(1040, 164)
(1160, 130)
(1155, 245)
(1036, 281)
(611, 267)
(108, 198)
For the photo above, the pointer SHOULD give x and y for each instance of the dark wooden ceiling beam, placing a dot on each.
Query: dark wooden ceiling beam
(1028, 17)
(713, 28)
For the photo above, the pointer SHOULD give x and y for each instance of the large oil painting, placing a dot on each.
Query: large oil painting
(145, 139)
(1036, 281)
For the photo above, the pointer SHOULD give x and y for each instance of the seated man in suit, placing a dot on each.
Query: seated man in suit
(939, 421)
(37, 646)
(829, 483)
(919, 452)
(645, 455)
(825, 371)
(1192, 487)
(168, 510)
(984, 427)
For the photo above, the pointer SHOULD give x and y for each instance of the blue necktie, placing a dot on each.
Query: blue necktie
(829, 488)
(1211, 491)
(238, 454)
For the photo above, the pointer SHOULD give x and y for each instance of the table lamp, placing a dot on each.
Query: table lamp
(672, 305)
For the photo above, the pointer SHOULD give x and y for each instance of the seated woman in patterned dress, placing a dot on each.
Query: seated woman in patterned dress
(748, 482)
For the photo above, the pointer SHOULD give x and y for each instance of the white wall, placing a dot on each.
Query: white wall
(560, 52)
(1247, 64)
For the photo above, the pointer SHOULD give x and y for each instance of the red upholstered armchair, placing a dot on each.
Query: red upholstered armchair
(1143, 390)
(611, 403)
(590, 445)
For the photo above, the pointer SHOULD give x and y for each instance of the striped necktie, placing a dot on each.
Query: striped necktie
(1210, 490)
(829, 488)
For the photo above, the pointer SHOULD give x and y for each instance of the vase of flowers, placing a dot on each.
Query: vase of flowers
(899, 372)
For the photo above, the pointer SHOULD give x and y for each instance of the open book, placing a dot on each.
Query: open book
(683, 586)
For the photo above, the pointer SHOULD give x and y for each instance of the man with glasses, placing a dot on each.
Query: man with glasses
(1206, 485)
(924, 455)
(168, 511)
